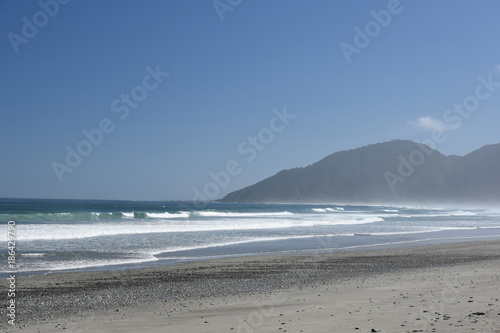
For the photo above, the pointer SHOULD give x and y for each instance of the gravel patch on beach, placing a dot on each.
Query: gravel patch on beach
(57, 295)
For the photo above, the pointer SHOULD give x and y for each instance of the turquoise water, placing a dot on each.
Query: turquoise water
(60, 235)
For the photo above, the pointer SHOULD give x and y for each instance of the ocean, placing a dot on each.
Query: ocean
(84, 235)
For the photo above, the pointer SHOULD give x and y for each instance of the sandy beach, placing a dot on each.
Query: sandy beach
(445, 288)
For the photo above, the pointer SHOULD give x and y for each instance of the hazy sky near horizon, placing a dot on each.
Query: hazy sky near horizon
(149, 100)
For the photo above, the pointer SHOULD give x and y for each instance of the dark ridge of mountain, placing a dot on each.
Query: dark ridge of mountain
(399, 171)
(478, 175)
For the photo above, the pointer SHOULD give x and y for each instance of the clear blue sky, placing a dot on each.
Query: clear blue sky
(225, 78)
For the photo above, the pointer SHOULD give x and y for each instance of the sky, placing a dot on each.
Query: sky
(183, 100)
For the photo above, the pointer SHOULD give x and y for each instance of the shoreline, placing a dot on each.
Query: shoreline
(313, 245)
(112, 298)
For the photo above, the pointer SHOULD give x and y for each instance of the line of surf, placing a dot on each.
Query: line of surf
(32, 232)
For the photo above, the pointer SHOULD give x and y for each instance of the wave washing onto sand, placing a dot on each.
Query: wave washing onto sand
(402, 233)
(54, 263)
(80, 234)
(166, 251)
(86, 264)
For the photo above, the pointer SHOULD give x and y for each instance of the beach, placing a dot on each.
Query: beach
(441, 288)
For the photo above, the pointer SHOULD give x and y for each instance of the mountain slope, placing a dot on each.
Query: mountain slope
(395, 171)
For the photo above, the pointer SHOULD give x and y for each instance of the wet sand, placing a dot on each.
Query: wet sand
(445, 288)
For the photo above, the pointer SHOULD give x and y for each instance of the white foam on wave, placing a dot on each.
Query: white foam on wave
(328, 209)
(443, 214)
(80, 231)
(351, 221)
(462, 213)
(233, 214)
(168, 215)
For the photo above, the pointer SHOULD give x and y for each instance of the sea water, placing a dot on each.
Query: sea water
(76, 235)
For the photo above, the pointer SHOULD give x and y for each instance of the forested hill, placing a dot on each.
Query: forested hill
(398, 171)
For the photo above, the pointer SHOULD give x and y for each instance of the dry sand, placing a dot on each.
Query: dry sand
(446, 288)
